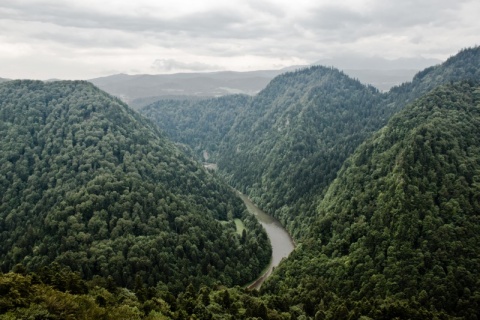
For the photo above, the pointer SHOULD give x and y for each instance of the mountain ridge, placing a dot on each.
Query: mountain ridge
(92, 185)
(400, 222)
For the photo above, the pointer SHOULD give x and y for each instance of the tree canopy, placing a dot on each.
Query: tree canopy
(401, 221)
(90, 184)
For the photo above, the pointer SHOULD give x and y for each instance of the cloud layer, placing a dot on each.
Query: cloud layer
(84, 39)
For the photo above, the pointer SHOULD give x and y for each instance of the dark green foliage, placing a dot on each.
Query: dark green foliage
(200, 124)
(400, 226)
(393, 235)
(90, 184)
(463, 66)
(287, 145)
(34, 297)
(288, 142)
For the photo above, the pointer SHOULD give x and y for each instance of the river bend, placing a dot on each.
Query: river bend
(281, 241)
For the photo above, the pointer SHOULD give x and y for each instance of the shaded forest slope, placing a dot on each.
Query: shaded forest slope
(286, 144)
(199, 124)
(90, 184)
(401, 222)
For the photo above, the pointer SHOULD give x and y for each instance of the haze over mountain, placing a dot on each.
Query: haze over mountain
(382, 73)
(140, 90)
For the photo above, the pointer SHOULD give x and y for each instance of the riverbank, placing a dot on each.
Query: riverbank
(280, 240)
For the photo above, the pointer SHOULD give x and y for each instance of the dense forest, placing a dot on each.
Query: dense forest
(399, 228)
(396, 237)
(199, 124)
(288, 142)
(88, 183)
(103, 217)
(281, 147)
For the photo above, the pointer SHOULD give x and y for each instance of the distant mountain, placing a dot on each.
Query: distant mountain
(140, 90)
(88, 183)
(4, 80)
(383, 74)
(398, 232)
(356, 62)
(383, 80)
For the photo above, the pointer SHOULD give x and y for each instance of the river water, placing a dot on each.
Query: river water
(281, 241)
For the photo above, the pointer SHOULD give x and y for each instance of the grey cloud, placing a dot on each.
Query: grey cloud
(216, 23)
(267, 7)
(251, 32)
(87, 39)
(410, 13)
(383, 16)
(330, 18)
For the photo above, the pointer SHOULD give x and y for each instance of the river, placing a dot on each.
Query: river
(281, 241)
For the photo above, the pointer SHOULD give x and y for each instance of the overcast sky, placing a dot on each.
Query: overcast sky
(82, 39)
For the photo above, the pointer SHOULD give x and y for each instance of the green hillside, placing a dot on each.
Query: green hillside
(398, 232)
(465, 65)
(90, 184)
(281, 146)
(200, 124)
(287, 143)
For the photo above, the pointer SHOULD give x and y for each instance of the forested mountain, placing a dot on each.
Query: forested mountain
(88, 183)
(381, 189)
(288, 142)
(199, 124)
(398, 232)
(463, 66)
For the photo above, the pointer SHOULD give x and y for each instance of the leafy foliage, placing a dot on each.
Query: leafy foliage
(90, 184)
(401, 221)
(36, 296)
(288, 142)
(200, 124)
(287, 145)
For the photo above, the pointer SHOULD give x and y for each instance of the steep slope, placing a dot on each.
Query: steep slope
(90, 184)
(398, 232)
(288, 143)
(463, 66)
(198, 124)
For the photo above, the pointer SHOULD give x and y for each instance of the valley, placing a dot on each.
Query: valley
(352, 203)
(280, 240)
